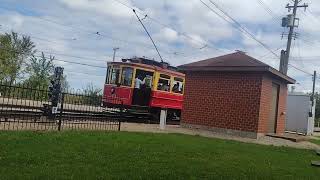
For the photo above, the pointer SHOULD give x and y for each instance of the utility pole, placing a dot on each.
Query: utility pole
(290, 22)
(312, 95)
(314, 86)
(114, 53)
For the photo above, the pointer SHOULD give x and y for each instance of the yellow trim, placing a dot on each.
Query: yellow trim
(183, 82)
(155, 81)
(112, 67)
(132, 81)
(133, 77)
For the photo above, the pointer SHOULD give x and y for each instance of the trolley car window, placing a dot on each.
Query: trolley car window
(114, 76)
(177, 85)
(145, 76)
(126, 77)
(164, 83)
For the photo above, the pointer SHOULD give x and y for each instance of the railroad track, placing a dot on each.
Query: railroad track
(28, 109)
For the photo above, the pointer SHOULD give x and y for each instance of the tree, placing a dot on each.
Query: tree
(14, 50)
(93, 94)
(39, 70)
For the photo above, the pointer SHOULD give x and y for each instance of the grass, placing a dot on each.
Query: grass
(315, 141)
(114, 155)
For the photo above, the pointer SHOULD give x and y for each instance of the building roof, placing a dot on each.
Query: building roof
(237, 61)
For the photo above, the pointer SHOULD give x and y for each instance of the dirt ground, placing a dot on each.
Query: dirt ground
(154, 128)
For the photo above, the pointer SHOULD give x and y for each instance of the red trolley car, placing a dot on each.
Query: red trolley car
(140, 82)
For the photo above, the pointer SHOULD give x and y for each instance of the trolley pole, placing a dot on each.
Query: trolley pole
(114, 53)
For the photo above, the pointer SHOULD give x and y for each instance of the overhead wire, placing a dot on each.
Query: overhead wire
(301, 70)
(74, 72)
(275, 17)
(169, 27)
(236, 25)
(242, 29)
(55, 59)
(98, 33)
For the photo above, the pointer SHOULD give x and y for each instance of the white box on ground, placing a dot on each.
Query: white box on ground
(54, 110)
(163, 118)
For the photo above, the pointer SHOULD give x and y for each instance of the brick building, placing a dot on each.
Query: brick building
(235, 94)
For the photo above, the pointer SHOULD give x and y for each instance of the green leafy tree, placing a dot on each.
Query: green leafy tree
(39, 70)
(92, 90)
(317, 113)
(14, 51)
(93, 94)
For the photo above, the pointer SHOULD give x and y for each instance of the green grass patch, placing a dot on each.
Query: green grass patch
(315, 141)
(123, 155)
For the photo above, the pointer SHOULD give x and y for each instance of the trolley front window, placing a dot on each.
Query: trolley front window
(114, 76)
(126, 77)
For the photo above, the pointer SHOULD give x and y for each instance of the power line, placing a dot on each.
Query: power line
(125, 41)
(83, 73)
(269, 53)
(72, 62)
(49, 41)
(63, 54)
(243, 28)
(301, 70)
(236, 24)
(169, 27)
(312, 15)
(55, 59)
(268, 10)
(144, 45)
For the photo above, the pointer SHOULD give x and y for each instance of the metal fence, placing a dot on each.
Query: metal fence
(23, 107)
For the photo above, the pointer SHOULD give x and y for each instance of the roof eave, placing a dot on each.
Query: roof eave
(264, 69)
(277, 73)
(221, 68)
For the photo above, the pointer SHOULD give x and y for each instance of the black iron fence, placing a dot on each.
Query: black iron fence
(23, 107)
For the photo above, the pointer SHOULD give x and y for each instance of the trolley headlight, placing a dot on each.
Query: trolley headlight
(113, 90)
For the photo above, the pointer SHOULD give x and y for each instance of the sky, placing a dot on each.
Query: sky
(86, 31)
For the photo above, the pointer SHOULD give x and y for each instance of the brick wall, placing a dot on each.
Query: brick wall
(265, 102)
(282, 109)
(265, 105)
(236, 101)
(228, 100)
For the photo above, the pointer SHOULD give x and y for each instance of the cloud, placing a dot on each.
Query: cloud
(170, 35)
(70, 27)
(107, 7)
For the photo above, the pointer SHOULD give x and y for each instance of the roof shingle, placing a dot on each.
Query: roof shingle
(238, 61)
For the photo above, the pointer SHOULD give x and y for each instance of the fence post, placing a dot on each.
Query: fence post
(121, 115)
(61, 112)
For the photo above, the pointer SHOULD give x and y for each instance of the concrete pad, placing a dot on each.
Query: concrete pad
(290, 137)
(265, 140)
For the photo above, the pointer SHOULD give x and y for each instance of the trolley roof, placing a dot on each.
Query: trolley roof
(149, 64)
